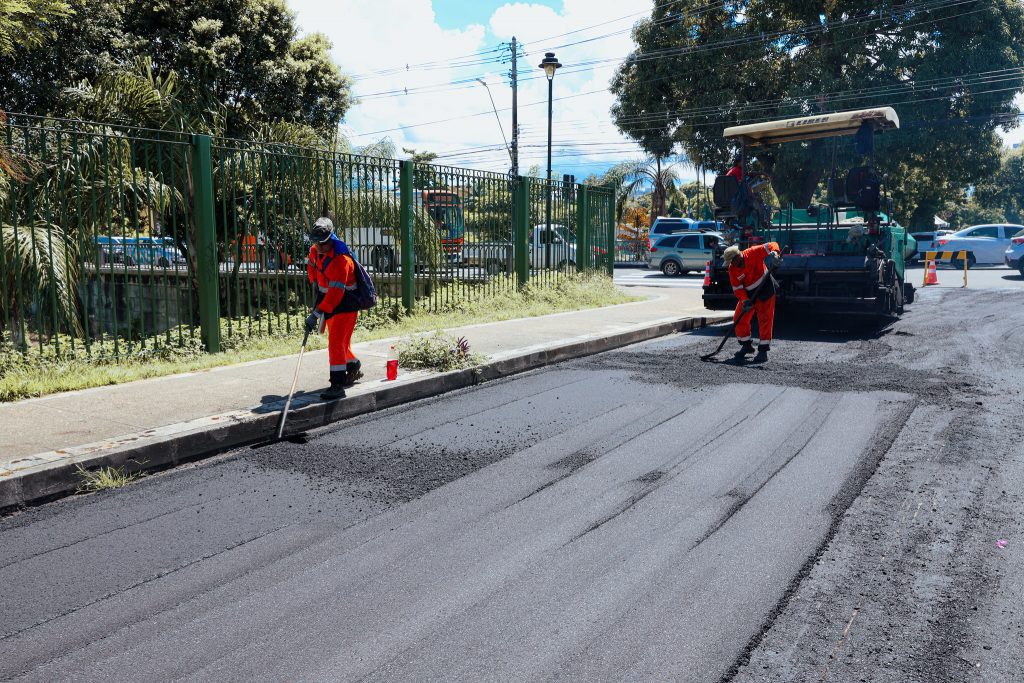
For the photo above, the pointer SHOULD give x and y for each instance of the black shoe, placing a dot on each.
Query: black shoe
(353, 373)
(337, 388)
(746, 348)
(335, 392)
(762, 355)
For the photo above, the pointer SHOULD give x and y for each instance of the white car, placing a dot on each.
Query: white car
(986, 243)
(926, 241)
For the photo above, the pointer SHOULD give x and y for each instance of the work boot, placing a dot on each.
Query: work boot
(337, 388)
(353, 372)
(746, 348)
(762, 354)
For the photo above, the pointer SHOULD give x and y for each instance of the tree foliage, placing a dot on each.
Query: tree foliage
(1002, 194)
(29, 23)
(242, 59)
(698, 69)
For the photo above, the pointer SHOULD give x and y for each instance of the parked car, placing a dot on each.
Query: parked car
(1014, 255)
(668, 225)
(927, 241)
(681, 254)
(986, 243)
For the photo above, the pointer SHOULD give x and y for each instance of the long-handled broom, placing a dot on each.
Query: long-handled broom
(291, 392)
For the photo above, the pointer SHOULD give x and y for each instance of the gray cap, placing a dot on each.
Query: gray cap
(322, 229)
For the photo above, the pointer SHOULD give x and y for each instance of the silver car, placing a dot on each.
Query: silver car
(1014, 256)
(681, 254)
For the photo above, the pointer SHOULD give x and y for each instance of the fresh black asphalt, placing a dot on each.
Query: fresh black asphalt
(637, 515)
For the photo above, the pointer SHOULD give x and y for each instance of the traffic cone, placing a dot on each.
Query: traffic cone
(930, 276)
(707, 275)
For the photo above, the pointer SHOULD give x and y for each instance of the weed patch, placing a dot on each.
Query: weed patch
(438, 351)
(104, 478)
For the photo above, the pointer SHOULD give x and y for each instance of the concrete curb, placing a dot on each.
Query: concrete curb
(50, 475)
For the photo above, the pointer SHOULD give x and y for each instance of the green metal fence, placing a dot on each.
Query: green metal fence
(117, 240)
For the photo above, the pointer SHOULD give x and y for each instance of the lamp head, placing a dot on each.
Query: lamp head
(550, 65)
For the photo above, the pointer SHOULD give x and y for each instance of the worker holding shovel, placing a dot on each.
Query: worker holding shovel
(754, 286)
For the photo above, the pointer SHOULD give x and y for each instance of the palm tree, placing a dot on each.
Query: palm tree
(629, 176)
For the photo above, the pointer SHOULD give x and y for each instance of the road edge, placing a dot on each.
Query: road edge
(57, 473)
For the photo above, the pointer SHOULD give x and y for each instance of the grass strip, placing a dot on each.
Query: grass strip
(41, 373)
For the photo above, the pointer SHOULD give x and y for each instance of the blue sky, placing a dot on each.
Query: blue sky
(437, 105)
(456, 14)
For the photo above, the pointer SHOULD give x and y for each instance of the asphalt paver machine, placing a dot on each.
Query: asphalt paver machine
(845, 256)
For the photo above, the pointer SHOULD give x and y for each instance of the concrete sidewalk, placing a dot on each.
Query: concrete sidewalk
(46, 429)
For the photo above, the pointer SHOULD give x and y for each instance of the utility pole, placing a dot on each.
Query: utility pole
(515, 110)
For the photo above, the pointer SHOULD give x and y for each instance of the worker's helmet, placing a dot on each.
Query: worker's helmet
(322, 230)
(730, 253)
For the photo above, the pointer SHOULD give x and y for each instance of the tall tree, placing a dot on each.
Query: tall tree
(82, 45)
(29, 23)
(242, 59)
(698, 69)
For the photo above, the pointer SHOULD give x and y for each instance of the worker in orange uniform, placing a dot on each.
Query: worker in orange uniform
(754, 286)
(332, 269)
(736, 171)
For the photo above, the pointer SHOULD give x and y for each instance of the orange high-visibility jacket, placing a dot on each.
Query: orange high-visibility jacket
(333, 275)
(746, 279)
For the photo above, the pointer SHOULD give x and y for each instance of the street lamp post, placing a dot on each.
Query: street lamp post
(550, 64)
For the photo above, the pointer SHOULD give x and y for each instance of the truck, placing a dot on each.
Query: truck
(549, 248)
(846, 257)
(378, 246)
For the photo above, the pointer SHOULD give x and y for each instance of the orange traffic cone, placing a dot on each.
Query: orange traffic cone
(930, 276)
(707, 275)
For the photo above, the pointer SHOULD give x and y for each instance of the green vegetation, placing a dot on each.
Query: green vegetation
(241, 63)
(48, 371)
(104, 478)
(439, 351)
(771, 59)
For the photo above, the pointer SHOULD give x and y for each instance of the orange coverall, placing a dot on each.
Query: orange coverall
(745, 281)
(333, 274)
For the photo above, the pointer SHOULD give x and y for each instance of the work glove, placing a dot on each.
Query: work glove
(748, 304)
(315, 321)
(773, 260)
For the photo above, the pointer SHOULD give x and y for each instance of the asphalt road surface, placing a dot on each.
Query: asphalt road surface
(637, 515)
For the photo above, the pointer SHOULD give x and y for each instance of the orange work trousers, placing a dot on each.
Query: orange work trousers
(339, 339)
(765, 312)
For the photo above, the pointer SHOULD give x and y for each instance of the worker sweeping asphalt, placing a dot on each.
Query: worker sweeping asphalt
(753, 284)
(332, 268)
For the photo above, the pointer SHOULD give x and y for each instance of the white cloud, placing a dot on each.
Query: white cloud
(370, 36)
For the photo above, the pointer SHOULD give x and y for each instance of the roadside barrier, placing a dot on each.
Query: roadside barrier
(930, 257)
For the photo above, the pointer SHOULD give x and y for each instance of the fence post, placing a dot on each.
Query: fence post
(611, 231)
(407, 220)
(584, 254)
(521, 231)
(207, 275)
